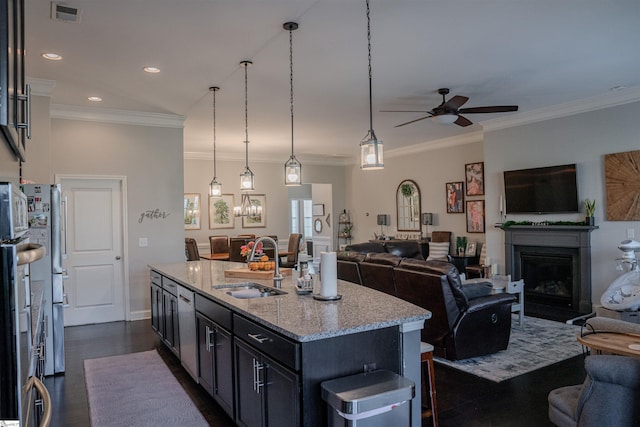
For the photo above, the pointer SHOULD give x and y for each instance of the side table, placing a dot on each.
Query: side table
(461, 262)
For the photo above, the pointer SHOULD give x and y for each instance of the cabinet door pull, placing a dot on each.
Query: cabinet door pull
(209, 333)
(258, 338)
(185, 299)
(257, 377)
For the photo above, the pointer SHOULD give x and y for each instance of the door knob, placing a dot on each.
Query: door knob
(118, 257)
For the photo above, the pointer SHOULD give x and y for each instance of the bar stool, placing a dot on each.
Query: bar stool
(428, 377)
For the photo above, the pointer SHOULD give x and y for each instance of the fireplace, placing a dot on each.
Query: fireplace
(555, 263)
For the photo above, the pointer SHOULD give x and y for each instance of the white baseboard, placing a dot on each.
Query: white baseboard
(139, 315)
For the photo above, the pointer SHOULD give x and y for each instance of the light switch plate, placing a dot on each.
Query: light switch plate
(630, 233)
(143, 242)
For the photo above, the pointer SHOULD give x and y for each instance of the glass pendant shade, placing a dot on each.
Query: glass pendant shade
(247, 180)
(445, 119)
(292, 172)
(215, 188)
(371, 153)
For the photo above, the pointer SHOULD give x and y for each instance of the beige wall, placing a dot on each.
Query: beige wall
(151, 159)
(269, 181)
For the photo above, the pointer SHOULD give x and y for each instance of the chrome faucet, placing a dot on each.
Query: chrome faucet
(277, 277)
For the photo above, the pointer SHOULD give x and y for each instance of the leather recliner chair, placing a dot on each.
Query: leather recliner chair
(467, 321)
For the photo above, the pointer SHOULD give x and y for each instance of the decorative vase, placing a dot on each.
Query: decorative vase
(591, 221)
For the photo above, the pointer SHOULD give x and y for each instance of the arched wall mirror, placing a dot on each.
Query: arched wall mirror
(408, 206)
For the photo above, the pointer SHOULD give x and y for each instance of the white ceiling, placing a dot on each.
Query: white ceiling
(536, 54)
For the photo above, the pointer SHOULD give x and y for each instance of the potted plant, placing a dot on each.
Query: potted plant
(589, 209)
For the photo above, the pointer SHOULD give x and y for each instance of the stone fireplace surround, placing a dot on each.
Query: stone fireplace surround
(576, 239)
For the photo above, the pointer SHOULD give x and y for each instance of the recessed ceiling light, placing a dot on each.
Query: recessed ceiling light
(51, 56)
(152, 70)
(94, 98)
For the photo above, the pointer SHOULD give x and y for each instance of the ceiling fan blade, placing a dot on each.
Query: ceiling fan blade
(412, 121)
(492, 109)
(404, 111)
(456, 102)
(463, 121)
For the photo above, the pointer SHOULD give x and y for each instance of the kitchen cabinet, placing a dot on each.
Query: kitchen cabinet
(156, 303)
(14, 92)
(170, 315)
(215, 352)
(267, 393)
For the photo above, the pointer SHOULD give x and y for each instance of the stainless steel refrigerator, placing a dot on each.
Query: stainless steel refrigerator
(45, 227)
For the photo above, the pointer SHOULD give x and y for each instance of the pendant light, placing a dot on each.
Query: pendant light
(215, 188)
(292, 167)
(246, 177)
(371, 149)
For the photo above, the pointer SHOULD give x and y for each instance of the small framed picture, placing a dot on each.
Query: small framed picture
(474, 175)
(455, 197)
(471, 249)
(191, 211)
(317, 210)
(258, 216)
(475, 216)
(221, 212)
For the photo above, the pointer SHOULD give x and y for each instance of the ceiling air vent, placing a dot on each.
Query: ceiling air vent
(62, 12)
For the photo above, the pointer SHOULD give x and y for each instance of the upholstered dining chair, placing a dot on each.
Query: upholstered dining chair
(191, 249)
(247, 236)
(293, 249)
(219, 246)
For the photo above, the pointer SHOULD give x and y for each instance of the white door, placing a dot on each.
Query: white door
(94, 247)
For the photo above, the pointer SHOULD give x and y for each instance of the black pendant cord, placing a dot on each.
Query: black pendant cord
(373, 136)
(246, 117)
(214, 90)
(291, 82)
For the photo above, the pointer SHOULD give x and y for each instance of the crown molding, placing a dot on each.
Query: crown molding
(436, 144)
(611, 99)
(41, 87)
(108, 115)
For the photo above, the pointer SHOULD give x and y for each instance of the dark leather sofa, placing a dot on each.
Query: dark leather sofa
(467, 321)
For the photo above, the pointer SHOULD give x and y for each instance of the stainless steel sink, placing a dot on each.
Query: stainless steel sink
(249, 290)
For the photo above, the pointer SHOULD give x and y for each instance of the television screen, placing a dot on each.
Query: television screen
(551, 189)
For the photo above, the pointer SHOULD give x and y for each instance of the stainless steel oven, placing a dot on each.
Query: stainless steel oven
(17, 361)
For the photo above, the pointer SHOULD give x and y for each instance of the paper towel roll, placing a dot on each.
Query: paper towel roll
(329, 274)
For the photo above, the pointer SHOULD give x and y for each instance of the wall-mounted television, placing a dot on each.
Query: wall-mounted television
(551, 189)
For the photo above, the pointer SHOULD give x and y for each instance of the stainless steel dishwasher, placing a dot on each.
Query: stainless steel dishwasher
(187, 328)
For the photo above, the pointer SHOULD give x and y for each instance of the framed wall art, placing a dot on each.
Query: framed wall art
(475, 216)
(474, 176)
(317, 209)
(258, 216)
(622, 186)
(455, 197)
(191, 211)
(221, 212)
(470, 249)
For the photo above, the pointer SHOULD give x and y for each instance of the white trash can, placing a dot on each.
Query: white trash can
(373, 399)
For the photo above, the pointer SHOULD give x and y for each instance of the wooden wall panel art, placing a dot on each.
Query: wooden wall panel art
(622, 178)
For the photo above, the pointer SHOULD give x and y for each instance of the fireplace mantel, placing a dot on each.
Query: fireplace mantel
(577, 237)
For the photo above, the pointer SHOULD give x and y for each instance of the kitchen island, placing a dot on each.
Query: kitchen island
(270, 354)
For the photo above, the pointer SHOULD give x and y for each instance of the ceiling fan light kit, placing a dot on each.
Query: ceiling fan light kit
(449, 112)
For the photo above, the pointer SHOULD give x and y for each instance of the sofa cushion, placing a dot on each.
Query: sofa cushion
(383, 259)
(350, 256)
(406, 249)
(435, 267)
(366, 247)
(438, 251)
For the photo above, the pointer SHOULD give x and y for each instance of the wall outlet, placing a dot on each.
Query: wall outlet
(631, 233)
(143, 242)
(368, 367)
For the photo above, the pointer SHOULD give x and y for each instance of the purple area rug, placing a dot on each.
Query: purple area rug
(138, 390)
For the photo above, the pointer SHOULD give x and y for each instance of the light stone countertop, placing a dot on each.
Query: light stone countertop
(300, 317)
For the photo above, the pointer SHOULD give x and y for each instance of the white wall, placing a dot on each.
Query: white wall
(583, 139)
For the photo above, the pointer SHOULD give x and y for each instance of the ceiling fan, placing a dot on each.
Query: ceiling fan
(449, 111)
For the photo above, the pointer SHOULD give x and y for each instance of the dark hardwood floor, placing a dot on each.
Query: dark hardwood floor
(463, 399)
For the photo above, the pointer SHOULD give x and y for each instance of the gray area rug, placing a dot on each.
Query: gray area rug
(538, 343)
(137, 389)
